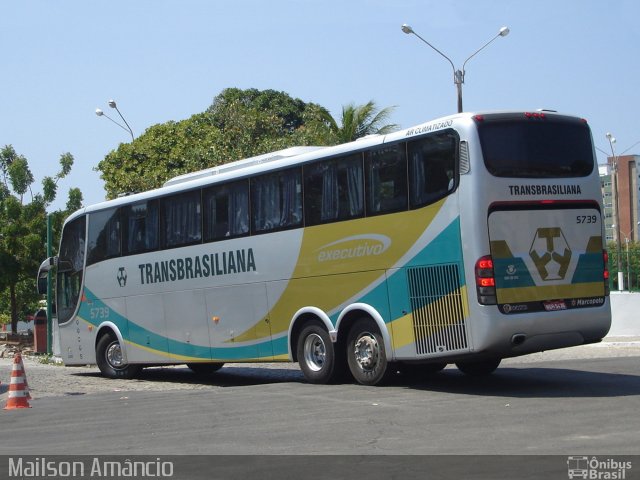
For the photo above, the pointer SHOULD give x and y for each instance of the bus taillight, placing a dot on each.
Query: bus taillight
(485, 281)
(605, 258)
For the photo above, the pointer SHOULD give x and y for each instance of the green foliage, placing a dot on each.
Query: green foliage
(629, 265)
(358, 121)
(20, 177)
(49, 189)
(74, 201)
(239, 124)
(23, 230)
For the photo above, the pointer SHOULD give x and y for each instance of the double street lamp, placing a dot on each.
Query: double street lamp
(458, 74)
(112, 104)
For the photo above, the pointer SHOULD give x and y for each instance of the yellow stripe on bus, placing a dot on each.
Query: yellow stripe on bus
(529, 294)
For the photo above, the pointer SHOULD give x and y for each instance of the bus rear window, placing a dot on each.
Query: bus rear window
(540, 148)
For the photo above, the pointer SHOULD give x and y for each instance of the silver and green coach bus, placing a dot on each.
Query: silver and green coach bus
(464, 240)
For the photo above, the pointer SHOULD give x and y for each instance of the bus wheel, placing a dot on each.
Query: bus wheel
(205, 368)
(479, 369)
(110, 361)
(366, 354)
(316, 355)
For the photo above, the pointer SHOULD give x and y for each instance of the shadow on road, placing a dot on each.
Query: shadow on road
(521, 382)
(228, 376)
(533, 383)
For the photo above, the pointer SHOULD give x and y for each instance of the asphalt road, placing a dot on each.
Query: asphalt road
(561, 407)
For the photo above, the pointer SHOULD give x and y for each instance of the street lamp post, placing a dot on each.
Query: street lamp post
(616, 217)
(112, 104)
(458, 74)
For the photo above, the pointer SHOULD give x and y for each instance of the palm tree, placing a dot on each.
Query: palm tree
(358, 121)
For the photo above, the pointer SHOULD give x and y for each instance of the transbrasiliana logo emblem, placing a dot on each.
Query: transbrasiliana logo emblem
(122, 277)
(550, 253)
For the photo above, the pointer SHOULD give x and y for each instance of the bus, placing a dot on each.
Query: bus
(464, 240)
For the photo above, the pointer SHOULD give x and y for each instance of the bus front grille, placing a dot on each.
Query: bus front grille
(438, 309)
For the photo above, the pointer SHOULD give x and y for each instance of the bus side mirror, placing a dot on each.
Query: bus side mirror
(45, 266)
(42, 285)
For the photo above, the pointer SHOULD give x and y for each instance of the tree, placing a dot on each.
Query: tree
(630, 262)
(358, 121)
(238, 124)
(23, 228)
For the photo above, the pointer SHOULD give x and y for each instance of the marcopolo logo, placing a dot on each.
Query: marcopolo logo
(356, 246)
(550, 253)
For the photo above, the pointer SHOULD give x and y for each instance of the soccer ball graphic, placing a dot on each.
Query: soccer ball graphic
(550, 253)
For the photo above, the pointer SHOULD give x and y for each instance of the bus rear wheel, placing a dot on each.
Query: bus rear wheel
(111, 361)
(366, 355)
(479, 369)
(319, 360)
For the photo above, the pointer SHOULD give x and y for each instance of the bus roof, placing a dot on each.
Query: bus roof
(229, 167)
(286, 157)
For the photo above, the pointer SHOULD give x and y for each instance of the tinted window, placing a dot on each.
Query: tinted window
(140, 227)
(276, 201)
(226, 211)
(70, 268)
(104, 235)
(432, 166)
(536, 148)
(182, 219)
(386, 169)
(334, 190)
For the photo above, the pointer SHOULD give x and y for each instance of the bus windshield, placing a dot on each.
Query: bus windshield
(543, 147)
(70, 268)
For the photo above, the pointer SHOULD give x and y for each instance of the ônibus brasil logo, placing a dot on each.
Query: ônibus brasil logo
(355, 246)
(550, 253)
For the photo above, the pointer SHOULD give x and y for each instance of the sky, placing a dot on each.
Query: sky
(166, 60)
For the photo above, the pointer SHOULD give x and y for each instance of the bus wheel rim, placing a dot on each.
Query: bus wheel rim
(367, 352)
(114, 355)
(315, 352)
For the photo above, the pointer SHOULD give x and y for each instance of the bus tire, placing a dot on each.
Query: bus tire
(366, 355)
(317, 355)
(110, 361)
(479, 369)
(205, 368)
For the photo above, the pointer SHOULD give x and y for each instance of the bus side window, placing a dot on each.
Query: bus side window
(226, 211)
(181, 219)
(276, 201)
(432, 163)
(140, 222)
(104, 235)
(386, 170)
(334, 190)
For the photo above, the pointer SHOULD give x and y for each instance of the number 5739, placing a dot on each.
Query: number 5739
(99, 313)
(586, 219)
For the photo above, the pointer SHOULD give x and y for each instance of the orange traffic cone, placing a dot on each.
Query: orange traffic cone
(24, 375)
(18, 390)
